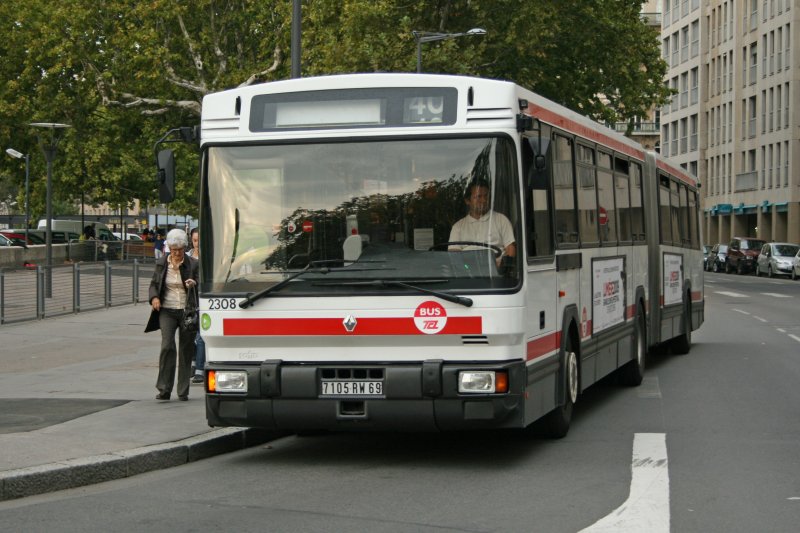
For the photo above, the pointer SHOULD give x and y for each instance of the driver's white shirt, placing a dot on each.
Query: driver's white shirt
(492, 228)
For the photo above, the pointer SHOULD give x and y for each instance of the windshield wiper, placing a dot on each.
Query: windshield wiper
(247, 302)
(382, 283)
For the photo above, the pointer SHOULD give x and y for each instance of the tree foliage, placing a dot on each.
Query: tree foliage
(122, 72)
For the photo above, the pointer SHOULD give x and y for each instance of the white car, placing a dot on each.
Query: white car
(128, 236)
(777, 258)
(796, 266)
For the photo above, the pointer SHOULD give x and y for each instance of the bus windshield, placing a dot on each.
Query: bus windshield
(350, 212)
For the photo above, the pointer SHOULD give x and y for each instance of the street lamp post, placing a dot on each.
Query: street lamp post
(428, 36)
(19, 155)
(49, 145)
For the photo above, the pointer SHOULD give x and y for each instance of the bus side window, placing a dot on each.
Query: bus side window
(693, 221)
(537, 205)
(587, 194)
(637, 212)
(664, 221)
(622, 198)
(607, 210)
(564, 192)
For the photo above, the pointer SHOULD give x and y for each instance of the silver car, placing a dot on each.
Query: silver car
(777, 258)
(796, 266)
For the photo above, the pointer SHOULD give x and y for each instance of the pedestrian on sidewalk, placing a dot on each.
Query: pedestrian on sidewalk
(200, 345)
(158, 244)
(174, 274)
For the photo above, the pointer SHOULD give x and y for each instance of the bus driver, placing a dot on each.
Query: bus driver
(482, 224)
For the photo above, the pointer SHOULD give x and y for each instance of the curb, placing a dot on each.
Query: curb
(30, 481)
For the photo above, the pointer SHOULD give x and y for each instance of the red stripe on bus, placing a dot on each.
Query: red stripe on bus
(579, 129)
(543, 346)
(456, 325)
(676, 171)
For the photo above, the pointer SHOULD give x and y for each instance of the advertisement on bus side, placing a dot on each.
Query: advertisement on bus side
(608, 293)
(673, 278)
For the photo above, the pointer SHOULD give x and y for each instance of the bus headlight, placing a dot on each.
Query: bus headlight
(227, 381)
(482, 381)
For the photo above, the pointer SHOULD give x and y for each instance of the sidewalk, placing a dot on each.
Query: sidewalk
(77, 405)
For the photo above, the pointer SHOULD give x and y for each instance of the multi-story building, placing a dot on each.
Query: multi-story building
(645, 129)
(735, 118)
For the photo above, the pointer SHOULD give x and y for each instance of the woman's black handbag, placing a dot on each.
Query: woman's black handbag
(191, 317)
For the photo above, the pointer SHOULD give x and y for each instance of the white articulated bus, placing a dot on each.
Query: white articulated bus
(336, 293)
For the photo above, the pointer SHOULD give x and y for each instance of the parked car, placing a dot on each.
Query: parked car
(776, 258)
(16, 239)
(706, 252)
(127, 236)
(33, 238)
(5, 241)
(796, 266)
(742, 254)
(717, 257)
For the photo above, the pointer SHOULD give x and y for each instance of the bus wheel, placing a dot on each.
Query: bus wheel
(556, 422)
(632, 373)
(683, 342)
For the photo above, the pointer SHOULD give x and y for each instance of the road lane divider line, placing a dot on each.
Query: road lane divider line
(781, 330)
(759, 318)
(742, 311)
(647, 506)
(732, 294)
(795, 337)
(776, 295)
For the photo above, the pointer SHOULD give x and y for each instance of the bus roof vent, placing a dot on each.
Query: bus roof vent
(475, 339)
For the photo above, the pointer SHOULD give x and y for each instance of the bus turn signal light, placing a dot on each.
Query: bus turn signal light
(501, 382)
(212, 381)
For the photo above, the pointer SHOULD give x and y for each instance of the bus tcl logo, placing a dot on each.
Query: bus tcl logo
(430, 317)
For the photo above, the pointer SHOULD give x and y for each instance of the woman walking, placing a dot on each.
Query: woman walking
(174, 274)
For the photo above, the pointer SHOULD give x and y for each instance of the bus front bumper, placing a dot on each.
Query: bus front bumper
(413, 397)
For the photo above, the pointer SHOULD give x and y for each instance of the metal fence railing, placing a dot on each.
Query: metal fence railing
(32, 294)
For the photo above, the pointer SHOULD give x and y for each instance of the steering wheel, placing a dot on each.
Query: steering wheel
(493, 247)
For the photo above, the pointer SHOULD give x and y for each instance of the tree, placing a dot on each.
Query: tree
(123, 72)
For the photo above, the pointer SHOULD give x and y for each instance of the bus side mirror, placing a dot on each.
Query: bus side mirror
(166, 176)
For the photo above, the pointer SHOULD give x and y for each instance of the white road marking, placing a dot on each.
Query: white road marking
(741, 311)
(649, 388)
(732, 294)
(759, 318)
(776, 295)
(795, 337)
(647, 506)
(781, 330)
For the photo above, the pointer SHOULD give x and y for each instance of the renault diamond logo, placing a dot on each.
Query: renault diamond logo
(350, 322)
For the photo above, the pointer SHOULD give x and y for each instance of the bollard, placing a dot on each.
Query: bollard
(107, 275)
(135, 278)
(2, 296)
(40, 290)
(76, 287)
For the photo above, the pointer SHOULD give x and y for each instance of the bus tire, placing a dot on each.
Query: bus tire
(632, 373)
(683, 342)
(556, 422)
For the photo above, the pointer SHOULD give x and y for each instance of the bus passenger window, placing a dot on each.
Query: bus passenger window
(563, 191)
(587, 195)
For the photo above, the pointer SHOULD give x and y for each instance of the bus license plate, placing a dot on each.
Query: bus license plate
(352, 388)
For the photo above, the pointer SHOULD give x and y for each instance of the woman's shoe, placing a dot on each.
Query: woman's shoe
(162, 396)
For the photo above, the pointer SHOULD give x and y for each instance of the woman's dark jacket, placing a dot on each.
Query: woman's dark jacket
(188, 270)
